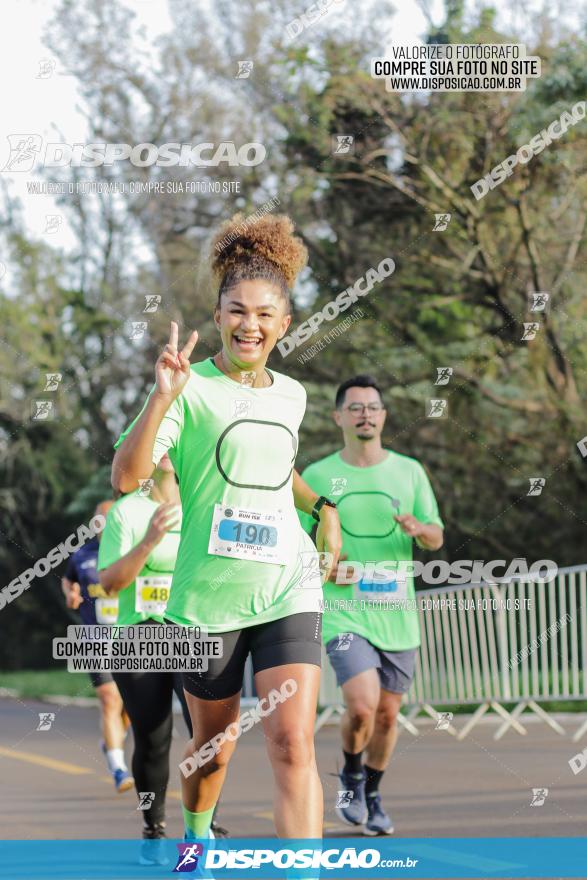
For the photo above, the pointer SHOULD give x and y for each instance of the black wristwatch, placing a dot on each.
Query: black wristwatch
(319, 505)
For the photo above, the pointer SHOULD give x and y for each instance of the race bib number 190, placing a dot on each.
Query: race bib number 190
(152, 593)
(256, 535)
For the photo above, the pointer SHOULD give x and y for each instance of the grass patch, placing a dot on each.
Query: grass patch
(35, 683)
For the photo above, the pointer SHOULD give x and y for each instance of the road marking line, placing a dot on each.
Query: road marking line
(51, 763)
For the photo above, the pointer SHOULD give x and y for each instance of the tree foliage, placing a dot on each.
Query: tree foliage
(458, 298)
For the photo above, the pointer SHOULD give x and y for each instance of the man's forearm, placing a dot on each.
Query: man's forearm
(431, 538)
(123, 572)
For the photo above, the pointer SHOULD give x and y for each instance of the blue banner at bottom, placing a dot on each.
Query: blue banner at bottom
(503, 858)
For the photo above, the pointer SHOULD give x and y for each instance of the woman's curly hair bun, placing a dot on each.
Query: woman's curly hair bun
(251, 248)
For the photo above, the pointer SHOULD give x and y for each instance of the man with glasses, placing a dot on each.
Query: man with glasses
(370, 623)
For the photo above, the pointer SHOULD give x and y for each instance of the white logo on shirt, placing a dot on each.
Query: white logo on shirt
(338, 485)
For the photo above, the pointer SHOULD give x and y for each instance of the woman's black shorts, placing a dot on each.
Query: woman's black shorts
(294, 639)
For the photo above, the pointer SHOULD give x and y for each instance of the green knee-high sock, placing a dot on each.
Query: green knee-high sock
(197, 824)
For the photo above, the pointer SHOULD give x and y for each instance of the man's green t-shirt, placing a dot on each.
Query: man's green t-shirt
(368, 498)
(242, 552)
(127, 523)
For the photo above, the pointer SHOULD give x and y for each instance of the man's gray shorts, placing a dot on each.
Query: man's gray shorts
(351, 654)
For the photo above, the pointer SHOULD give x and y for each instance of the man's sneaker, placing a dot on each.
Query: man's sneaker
(378, 822)
(351, 806)
(122, 780)
(218, 830)
(153, 847)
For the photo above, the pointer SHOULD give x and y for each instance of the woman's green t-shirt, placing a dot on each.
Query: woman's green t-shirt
(243, 557)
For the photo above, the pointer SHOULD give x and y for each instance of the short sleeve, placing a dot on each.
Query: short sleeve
(169, 429)
(117, 538)
(425, 506)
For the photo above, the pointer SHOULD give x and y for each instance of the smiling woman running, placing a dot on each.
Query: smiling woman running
(246, 571)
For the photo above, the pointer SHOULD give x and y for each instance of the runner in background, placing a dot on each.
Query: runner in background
(137, 557)
(385, 503)
(231, 428)
(84, 593)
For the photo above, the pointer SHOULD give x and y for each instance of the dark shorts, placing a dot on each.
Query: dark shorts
(293, 639)
(98, 678)
(351, 656)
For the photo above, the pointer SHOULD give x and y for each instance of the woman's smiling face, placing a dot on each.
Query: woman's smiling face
(251, 317)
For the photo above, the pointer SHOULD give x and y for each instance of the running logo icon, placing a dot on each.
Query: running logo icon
(536, 485)
(443, 721)
(138, 329)
(313, 565)
(240, 408)
(145, 487)
(23, 151)
(46, 719)
(42, 410)
(52, 223)
(46, 68)
(344, 798)
(343, 144)
(441, 222)
(344, 641)
(539, 301)
(539, 795)
(152, 301)
(52, 381)
(443, 375)
(146, 799)
(244, 69)
(436, 408)
(187, 859)
(530, 331)
(337, 485)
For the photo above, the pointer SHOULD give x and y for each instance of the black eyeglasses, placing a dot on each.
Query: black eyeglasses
(359, 408)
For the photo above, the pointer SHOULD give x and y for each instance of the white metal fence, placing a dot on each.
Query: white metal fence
(471, 656)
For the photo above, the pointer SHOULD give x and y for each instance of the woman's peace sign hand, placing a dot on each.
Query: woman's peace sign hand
(172, 369)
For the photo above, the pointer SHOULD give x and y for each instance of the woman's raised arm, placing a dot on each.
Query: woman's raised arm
(133, 459)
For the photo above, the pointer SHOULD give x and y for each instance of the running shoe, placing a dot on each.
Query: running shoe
(153, 847)
(122, 780)
(353, 807)
(378, 822)
(200, 872)
(218, 830)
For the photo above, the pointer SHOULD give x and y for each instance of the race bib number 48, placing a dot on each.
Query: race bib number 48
(106, 611)
(256, 535)
(151, 594)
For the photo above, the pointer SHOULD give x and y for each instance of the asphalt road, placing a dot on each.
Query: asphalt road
(55, 784)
